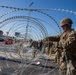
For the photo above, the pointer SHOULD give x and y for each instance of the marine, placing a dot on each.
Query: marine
(67, 46)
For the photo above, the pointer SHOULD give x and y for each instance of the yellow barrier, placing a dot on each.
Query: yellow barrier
(19, 49)
(50, 53)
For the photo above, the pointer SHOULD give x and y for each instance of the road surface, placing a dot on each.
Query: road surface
(11, 63)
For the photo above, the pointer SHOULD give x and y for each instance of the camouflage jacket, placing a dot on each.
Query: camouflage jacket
(68, 39)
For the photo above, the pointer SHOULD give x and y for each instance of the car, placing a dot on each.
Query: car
(1, 40)
(8, 41)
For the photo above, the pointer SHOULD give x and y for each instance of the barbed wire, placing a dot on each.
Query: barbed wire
(39, 10)
(60, 10)
(36, 11)
(8, 13)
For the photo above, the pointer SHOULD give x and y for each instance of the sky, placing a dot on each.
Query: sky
(42, 23)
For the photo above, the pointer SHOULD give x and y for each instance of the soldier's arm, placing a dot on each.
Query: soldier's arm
(52, 38)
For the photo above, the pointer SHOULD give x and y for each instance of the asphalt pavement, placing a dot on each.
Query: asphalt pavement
(11, 63)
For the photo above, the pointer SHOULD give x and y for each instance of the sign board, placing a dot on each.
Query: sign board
(7, 33)
(17, 34)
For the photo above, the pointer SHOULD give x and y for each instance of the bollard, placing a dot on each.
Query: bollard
(19, 49)
(50, 53)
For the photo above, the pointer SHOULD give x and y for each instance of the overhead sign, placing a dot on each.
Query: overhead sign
(17, 34)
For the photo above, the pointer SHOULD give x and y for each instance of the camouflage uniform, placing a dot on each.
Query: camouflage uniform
(57, 53)
(68, 41)
(46, 47)
(67, 44)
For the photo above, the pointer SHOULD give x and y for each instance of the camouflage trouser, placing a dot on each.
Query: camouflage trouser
(69, 67)
(71, 64)
(57, 57)
(62, 69)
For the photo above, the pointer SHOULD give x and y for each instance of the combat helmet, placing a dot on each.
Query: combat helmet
(66, 21)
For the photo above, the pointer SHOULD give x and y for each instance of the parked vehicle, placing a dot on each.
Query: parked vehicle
(1, 40)
(8, 41)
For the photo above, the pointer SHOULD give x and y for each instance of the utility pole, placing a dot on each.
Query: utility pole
(26, 33)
